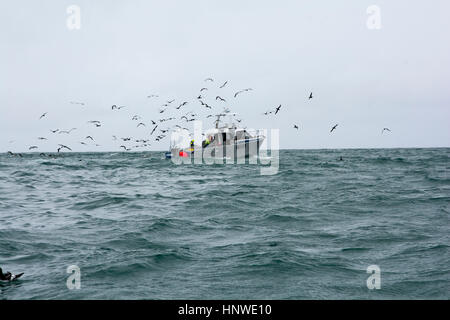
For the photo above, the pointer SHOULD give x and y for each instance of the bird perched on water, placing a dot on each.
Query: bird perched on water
(43, 115)
(385, 129)
(32, 147)
(334, 128)
(8, 276)
(277, 109)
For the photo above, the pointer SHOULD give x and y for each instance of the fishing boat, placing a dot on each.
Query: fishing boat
(226, 140)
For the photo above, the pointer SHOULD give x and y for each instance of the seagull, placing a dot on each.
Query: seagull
(154, 129)
(183, 104)
(61, 146)
(74, 102)
(209, 79)
(67, 131)
(220, 98)
(32, 147)
(136, 117)
(295, 126)
(244, 90)
(199, 97)
(170, 101)
(42, 138)
(310, 96)
(140, 124)
(54, 131)
(153, 122)
(89, 137)
(203, 89)
(162, 110)
(385, 129)
(223, 85)
(334, 128)
(43, 115)
(277, 109)
(84, 143)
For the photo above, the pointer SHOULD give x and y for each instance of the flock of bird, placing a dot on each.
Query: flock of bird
(156, 125)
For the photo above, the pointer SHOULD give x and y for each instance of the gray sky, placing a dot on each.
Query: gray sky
(396, 77)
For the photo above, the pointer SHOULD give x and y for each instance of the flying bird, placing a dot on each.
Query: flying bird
(89, 137)
(334, 128)
(310, 96)
(223, 85)
(140, 124)
(220, 98)
(203, 89)
(209, 79)
(241, 91)
(154, 129)
(277, 109)
(385, 129)
(295, 126)
(32, 147)
(181, 105)
(43, 115)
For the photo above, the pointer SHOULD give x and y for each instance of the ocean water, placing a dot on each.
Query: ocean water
(140, 227)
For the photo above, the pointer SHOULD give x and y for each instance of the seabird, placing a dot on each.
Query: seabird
(8, 276)
(310, 96)
(223, 85)
(89, 137)
(140, 124)
(277, 109)
(385, 129)
(209, 79)
(295, 126)
(43, 115)
(203, 89)
(154, 129)
(33, 147)
(244, 90)
(220, 98)
(334, 128)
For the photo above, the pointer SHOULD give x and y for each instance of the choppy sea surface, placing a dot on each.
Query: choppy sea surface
(140, 227)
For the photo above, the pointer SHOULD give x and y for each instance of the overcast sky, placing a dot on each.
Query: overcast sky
(364, 80)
